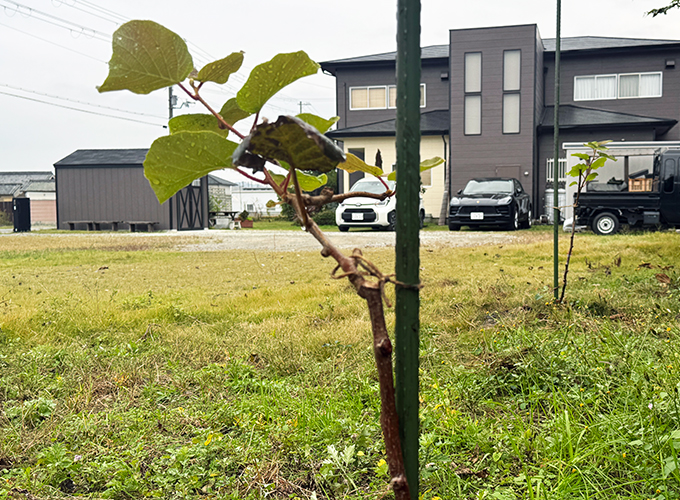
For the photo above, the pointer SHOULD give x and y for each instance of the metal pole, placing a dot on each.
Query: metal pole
(556, 157)
(170, 103)
(407, 330)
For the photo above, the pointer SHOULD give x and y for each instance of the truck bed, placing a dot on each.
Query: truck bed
(645, 200)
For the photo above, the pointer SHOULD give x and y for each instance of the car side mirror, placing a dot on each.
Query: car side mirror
(460, 191)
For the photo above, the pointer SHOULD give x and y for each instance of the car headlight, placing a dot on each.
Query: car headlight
(455, 202)
(505, 201)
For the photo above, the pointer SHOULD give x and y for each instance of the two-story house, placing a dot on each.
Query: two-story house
(487, 102)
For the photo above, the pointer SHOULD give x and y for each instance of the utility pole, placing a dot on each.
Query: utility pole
(302, 104)
(172, 100)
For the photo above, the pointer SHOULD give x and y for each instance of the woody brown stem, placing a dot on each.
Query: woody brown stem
(196, 97)
(382, 346)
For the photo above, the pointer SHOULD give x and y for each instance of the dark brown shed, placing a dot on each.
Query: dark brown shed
(107, 185)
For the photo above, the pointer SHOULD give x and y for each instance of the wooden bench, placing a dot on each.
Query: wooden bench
(135, 225)
(93, 225)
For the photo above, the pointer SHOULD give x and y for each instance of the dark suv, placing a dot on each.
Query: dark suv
(491, 201)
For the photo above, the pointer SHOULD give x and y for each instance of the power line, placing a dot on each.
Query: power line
(80, 102)
(59, 3)
(102, 10)
(54, 20)
(52, 43)
(81, 110)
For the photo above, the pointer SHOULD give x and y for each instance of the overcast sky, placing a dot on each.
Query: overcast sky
(57, 51)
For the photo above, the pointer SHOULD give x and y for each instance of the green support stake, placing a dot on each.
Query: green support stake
(407, 330)
(556, 158)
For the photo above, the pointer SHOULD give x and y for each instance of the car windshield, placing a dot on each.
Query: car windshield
(371, 186)
(487, 187)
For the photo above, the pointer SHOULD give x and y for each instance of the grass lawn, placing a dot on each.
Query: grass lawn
(129, 369)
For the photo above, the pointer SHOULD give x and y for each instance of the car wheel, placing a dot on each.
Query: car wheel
(454, 227)
(605, 224)
(513, 225)
(392, 221)
(343, 229)
(527, 223)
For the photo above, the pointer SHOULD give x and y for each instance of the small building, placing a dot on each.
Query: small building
(108, 186)
(39, 187)
(253, 198)
(220, 193)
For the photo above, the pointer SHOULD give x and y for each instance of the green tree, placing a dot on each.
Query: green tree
(664, 10)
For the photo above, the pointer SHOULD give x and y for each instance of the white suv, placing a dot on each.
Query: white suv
(369, 212)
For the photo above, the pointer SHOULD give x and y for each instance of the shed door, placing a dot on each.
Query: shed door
(190, 207)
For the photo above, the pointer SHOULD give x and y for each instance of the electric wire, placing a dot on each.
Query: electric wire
(102, 10)
(74, 6)
(52, 96)
(81, 110)
(35, 14)
(53, 43)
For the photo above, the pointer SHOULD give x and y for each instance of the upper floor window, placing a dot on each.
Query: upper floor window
(512, 72)
(617, 86)
(472, 115)
(512, 60)
(378, 97)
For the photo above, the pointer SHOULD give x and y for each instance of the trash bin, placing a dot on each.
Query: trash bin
(22, 214)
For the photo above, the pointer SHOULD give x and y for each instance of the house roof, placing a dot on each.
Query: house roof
(9, 189)
(603, 42)
(578, 117)
(103, 157)
(570, 44)
(41, 186)
(12, 183)
(213, 180)
(431, 123)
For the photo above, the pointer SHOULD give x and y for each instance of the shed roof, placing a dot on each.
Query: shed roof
(103, 157)
(213, 180)
(431, 123)
(578, 117)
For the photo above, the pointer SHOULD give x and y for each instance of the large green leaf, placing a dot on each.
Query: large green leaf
(424, 165)
(291, 140)
(270, 77)
(307, 182)
(196, 123)
(174, 161)
(356, 164)
(321, 124)
(231, 112)
(220, 71)
(146, 57)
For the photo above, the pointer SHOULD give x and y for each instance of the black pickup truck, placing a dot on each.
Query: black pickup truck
(657, 205)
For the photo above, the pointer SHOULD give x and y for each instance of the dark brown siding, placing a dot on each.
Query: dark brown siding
(107, 193)
(631, 61)
(482, 155)
(436, 90)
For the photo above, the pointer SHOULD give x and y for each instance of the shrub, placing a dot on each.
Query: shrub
(325, 218)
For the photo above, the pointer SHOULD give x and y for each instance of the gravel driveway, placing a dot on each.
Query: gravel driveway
(291, 241)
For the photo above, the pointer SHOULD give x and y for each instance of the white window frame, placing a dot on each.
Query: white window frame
(424, 94)
(618, 76)
(660, 73)
(367, 88)
(386, 88)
